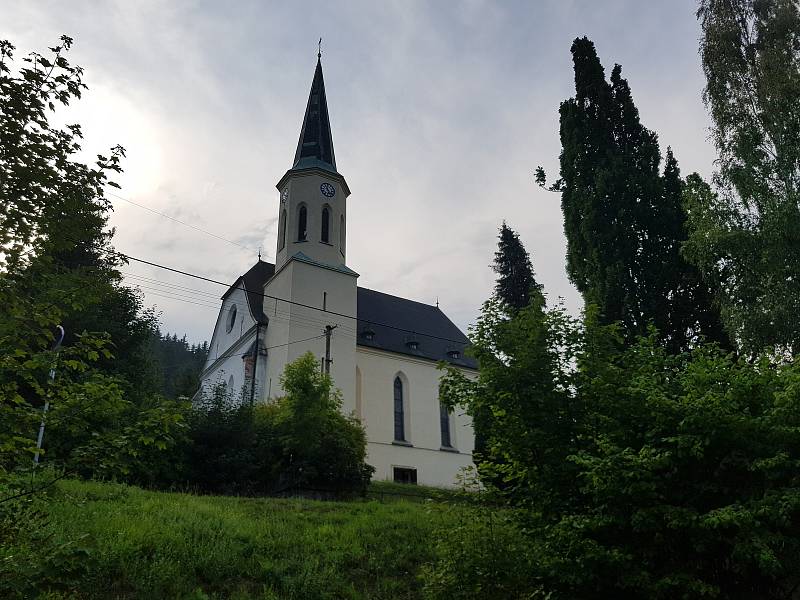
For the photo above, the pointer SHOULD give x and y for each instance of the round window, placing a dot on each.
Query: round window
(231, 319)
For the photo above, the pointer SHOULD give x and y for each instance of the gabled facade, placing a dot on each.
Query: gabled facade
(384, 349)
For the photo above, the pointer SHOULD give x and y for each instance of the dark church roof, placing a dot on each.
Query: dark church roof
(385, 322)
(398, 325)
(315, 146)
(254, 281)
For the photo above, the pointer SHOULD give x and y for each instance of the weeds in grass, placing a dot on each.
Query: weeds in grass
(155, 544)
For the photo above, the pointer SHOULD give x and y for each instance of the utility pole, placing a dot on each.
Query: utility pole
(47, 400)
(328, 359)
(255, 360)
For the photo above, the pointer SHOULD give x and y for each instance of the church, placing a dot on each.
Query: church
(381, 350)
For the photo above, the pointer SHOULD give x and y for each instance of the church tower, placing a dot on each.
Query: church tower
(313, 195)
(310, 257)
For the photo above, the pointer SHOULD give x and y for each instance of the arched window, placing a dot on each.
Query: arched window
(326, 224)
(231, 320)
(282, 232)
(302, 224)
(444, 425)
(341, 233)
(399, 412)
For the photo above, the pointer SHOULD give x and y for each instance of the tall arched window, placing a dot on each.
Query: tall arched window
(399, 412)
(231, 320)
(444, 425)
(282, 232)
(341, 233)
(302, 224)
(326, 224)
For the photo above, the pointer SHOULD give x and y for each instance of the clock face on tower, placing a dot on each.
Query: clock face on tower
(327, 190)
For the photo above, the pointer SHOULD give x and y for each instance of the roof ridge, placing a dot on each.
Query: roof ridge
(401, 298)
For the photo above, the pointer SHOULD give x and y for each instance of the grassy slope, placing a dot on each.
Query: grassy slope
(165, 545)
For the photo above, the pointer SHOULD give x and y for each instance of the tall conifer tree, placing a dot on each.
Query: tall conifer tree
(623, 220)
(515, 277)
(516, 289)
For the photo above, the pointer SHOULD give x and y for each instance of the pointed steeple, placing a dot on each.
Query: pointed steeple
(315, 147)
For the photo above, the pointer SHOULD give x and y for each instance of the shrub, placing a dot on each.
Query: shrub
(320, 447)
(484, 556)
(301, 442)
(637, 473)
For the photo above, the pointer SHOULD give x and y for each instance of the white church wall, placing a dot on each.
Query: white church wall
(434, 465)
(226, 335)
(301, 328)
(229, 368)
(231, 339)
(278, 313)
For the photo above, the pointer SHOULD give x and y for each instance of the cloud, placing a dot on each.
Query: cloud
(440, 113)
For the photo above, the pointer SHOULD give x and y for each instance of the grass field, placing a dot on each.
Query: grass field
(165, 545)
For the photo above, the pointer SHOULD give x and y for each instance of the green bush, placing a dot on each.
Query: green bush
(320, 447)
(637, 473)
(484, 556)
(299, 443)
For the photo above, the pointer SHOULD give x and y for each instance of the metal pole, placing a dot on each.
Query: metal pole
(255, 367)
(328, 360)
(40, 437)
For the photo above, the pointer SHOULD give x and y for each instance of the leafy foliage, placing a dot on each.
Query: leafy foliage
(321, 446)
(58, 268)
(485, 555)
(32, 563)
(748, 234)
(515, 290)
(301, 442)
(222, 455)
(639, 473)
(623, 219)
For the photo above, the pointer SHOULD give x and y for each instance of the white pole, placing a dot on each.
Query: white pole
(47, 402)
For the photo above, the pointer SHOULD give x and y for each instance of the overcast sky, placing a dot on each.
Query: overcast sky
(440, 113)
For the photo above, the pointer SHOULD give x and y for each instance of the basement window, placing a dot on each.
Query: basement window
(405, 475)
(368, 334)
(454, 354)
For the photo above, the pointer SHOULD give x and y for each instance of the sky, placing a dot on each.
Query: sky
(440, 113)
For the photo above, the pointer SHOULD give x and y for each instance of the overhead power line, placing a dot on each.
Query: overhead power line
(180, 295)
(185, 224)
(277, 299)
(293, 302)
(149, 280)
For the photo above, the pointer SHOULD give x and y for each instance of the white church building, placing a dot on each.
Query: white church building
(384, 349)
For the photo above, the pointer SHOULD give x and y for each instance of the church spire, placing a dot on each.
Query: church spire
(316, 142)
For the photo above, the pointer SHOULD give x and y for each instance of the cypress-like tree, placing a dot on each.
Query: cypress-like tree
(623, 220)
(515, 277)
